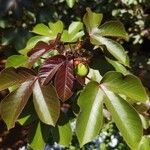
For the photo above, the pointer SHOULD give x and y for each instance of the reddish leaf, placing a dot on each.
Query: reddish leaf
(80, 80)
(41, 48)
(13, 104)
(38, 47)
(12, 76)
(50, 67)
(64, 80)
(34, 57)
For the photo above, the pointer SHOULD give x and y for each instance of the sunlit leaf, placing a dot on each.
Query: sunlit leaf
(118, 67)
(89, 121)
(12, 76)
(56, 27)
(128, 85)
(13, 104)
(70, 3)
(65, 134)
(42, 29)
(16, 61)
(125, 117)
(32, 42)
(92, 20)
(145, 143)
(74, 32)
(46, 103)
(37, 135)
(113, 47)
(114, 29)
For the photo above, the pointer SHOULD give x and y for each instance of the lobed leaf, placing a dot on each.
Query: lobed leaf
(64, 80)
(49, 68)
(128, 85)
(13, 104)
(46, 103)
(89, 121)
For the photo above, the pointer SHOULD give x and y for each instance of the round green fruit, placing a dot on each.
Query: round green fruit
(82, 69)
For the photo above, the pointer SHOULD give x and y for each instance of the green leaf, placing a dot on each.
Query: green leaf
(56, 27)
(125, 117)
(75, 27)
(145, 143)
(62, 133)
(10, 77)
(42, 29)
(114, 29)
(94, 75)
(46, 103)
(113, 47)
(118, 67)
(89, 121)
(32, 42)
(74, 32)
(16, 61)
(128, 85)
(65, 134)
(70, 3)
(36, 138)
(13, 104)
(92, 20)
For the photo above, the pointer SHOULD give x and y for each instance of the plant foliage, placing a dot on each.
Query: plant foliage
(45, 74)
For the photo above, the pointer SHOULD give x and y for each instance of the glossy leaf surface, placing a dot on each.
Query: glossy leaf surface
(50, 67)
(12, 76)
(125, 117)
(46, 103)
(89, 121)
(13, 104)
(128, 85)
(64, 80)
(113, 47)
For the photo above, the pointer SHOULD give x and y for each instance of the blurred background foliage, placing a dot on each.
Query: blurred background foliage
(17, 18)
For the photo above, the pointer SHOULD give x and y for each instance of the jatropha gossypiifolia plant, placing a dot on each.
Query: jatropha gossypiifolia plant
(57, 80)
